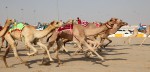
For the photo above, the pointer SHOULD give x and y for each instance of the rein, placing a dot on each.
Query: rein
(108, 26)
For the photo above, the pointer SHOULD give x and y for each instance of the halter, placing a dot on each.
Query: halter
(108, 26)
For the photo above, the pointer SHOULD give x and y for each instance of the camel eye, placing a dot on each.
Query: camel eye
(57, 23)
(111, 20)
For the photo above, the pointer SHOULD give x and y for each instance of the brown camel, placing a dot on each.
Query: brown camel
(79, 35)
(4, 30)
(28, 34)
(135, 33)
(103, 35)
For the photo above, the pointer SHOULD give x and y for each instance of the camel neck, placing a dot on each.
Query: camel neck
(94, 31)
(43, 33)
(114, 29)
(4, 30)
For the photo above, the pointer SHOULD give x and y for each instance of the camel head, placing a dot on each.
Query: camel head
(123, 24)
(110, 23)
(119, 22)
(115, 20)
(9, 22)
(56, 23)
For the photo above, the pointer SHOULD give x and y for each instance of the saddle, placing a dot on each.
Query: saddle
(16, 26)
(142, 29)
(65, 27)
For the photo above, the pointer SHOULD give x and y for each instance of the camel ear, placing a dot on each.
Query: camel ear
(52, 22)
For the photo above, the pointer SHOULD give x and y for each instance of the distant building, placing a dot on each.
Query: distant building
(124, 31)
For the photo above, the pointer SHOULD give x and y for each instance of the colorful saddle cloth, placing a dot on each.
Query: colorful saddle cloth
(84, 23)
(16, 26)
(97, 24)
(65, 27)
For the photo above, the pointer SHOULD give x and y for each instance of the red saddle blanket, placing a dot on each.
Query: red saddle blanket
(65, 27)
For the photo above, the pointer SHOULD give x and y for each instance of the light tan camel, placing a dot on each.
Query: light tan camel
(3, 32)
(135, 33)
(6, 26)
(79, 35)
(28, 35)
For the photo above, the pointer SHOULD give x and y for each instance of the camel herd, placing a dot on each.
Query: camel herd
(85, 37)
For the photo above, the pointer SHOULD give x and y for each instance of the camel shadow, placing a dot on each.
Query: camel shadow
(28, 63)
(140, 44)
(94, 60)
(114, 49)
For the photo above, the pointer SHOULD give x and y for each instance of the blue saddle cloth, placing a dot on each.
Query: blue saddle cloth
(141, 28)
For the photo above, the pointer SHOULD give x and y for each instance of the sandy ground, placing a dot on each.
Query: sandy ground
(118, 58)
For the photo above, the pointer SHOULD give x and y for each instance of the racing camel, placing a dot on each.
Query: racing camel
(135, 33)
(103, 35)
(4, 30)
(79, 34)
(28, 34)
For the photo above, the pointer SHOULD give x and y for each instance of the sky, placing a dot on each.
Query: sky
(33, 11)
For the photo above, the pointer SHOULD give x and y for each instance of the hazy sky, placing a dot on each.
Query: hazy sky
(33, 11)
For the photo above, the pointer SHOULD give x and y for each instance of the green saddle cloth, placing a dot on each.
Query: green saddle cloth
(16, 26)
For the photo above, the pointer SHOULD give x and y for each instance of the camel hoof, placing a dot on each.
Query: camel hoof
(141, 45)
(60, 63)
(52, 61)
(103, 60)
(7, 67)
(87, 54)
(31, 54)
(45, 61)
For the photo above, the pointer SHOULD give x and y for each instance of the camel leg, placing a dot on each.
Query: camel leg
(2, 44)
(64, 48)
(53, 37)
(94, 43)
(32, 47)
(4, 57)
(102, 41)
(128, 39)
(78, 49)
(92, 49)
(12, 44)
(144, 40)
(110, 41)
(82, 40)
(50, 44)
(46, 49)
(79, 46)
(64, 41)
(59, 44)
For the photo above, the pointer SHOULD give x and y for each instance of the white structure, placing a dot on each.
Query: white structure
(124, 32)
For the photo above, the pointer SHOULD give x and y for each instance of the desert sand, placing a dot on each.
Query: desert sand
(119, 57)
